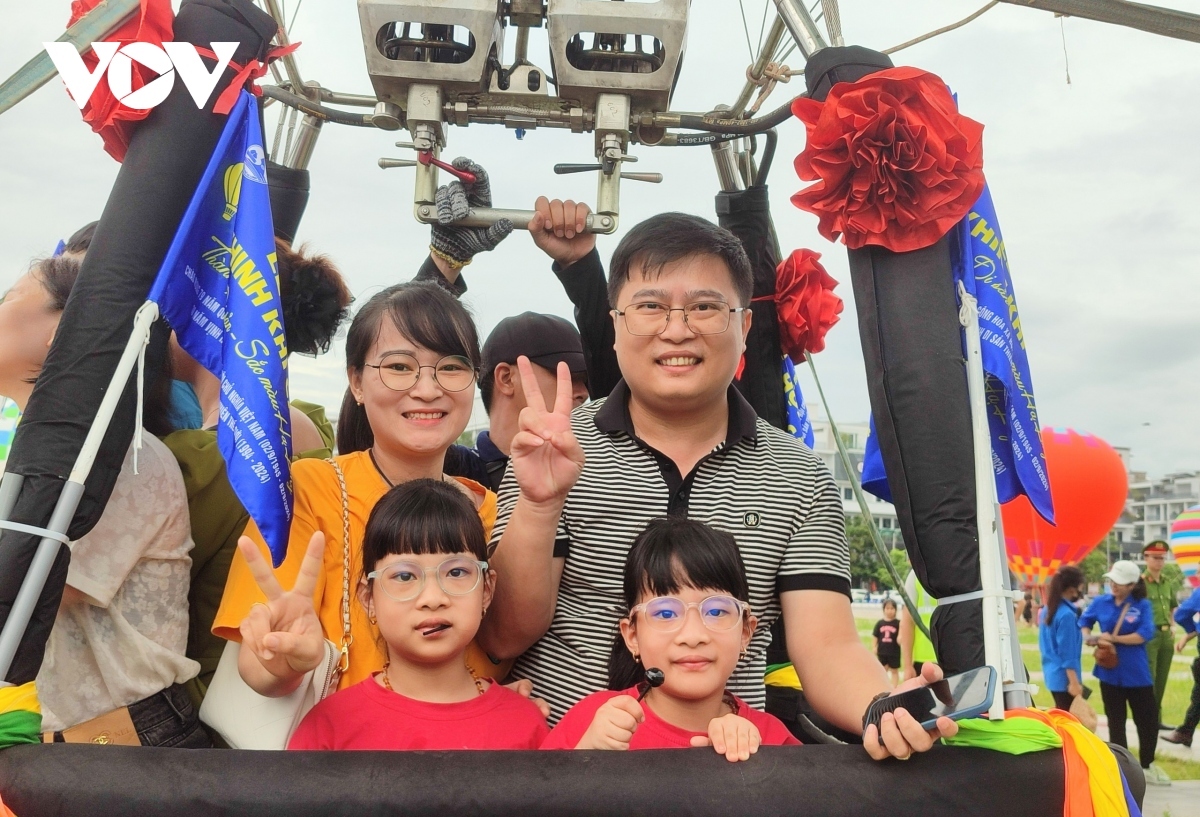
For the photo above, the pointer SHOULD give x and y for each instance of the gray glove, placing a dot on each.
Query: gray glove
(454, 201)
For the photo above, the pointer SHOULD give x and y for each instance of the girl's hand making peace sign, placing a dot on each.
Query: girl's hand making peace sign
(546, 457)
(284, 633)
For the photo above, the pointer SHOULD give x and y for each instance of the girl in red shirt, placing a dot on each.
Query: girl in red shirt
(426, 585)
(675, 568)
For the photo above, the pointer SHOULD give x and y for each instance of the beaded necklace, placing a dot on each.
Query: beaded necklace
(387, 682)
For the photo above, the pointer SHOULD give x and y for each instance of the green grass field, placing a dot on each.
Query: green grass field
(1175, 700)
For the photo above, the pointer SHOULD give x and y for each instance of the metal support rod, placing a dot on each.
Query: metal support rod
(339, 98)
(281, 37)
(306, 143)
(522, 51)
(774, 36)
(1166, 22)
(800, 23)
(998, 621)
(106, 17)
(47, 550)
(725, 158)
(487, 216)
(1014, 698)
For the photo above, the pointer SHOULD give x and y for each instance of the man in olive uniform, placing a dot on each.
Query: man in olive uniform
(1163, 594)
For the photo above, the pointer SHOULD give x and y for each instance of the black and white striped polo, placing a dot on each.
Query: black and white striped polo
(762, 485)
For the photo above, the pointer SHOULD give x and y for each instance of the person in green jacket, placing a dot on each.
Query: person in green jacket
(1163, 595)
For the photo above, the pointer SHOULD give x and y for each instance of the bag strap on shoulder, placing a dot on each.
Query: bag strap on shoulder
(1121, 619)
(347, 638)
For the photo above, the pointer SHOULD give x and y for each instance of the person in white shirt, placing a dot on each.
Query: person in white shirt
(114, 662)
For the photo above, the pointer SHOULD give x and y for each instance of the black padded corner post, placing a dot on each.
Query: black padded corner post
(747, 214)
(289, 189)
(912, 348)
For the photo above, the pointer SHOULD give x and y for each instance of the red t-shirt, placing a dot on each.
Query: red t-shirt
(367, 716)
(654, 732)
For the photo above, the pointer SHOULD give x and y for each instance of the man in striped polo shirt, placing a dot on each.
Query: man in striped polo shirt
(676, 438)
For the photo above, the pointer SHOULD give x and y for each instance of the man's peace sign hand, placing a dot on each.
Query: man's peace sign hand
(284, 633)
(546, 457)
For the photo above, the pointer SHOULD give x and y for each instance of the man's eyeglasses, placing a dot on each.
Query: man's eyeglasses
(404, 581)
(400, 372)
(667, 613)
(703, 318)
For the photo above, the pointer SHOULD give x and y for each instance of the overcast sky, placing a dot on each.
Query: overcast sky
(1093, 182)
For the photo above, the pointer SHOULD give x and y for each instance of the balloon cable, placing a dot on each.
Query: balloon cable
(876, 540)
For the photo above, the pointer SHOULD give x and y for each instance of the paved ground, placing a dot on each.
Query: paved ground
(1180, 799)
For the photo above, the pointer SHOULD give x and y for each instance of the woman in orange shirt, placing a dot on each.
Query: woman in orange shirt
(412, 355)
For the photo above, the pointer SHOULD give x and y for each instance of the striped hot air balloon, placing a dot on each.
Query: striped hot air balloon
(1185, 544)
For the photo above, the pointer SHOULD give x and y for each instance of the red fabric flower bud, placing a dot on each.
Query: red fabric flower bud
(805, 303)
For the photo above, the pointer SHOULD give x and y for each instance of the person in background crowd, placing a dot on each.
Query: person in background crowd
(916, 649)
(887, 641)
(674, 438)
(1126, 621)
(316, 301)
(114, 662)
(412, 354)
(546, 340)
(426, 583)
(1185, 616)
(675, 565)
(1163, 594)
(1060, 639)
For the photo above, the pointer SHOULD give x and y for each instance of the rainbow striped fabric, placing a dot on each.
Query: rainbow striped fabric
(20, 716)
(1095, 786)
(1185, 544)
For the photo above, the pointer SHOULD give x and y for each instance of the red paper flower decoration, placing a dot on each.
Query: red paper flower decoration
(805, 303)
(895, 163)
(104, 112)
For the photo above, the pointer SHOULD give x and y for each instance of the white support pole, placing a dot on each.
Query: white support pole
(997, 636)
(47, 550)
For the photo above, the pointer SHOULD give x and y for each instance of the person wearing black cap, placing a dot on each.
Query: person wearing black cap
(546, 340)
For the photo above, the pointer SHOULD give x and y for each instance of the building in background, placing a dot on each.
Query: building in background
(1151, 507)
(854, 436)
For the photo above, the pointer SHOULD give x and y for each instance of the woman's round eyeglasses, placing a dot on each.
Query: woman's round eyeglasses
(404, 581)
(667, 613)
(400, 372)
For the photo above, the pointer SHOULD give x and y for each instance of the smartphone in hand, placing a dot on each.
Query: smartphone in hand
(966, 695)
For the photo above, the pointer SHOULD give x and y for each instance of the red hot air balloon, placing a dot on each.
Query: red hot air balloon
(1088, 484)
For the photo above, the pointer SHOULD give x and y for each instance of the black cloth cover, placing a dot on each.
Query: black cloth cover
(747, 214)
(75, 779)
(916, 377)
(288, 188)
(164, 163)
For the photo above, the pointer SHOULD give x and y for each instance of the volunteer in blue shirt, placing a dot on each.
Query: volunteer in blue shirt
(1185, 616)
(1060, 639)
(1126, 612)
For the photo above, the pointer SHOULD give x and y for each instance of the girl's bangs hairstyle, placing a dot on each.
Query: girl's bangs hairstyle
(419, 517)
(669, 555)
